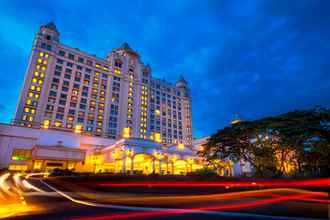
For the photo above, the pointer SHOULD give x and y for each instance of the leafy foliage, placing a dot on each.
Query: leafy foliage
(302, 137)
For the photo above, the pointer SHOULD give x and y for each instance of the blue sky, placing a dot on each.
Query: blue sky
(252, 57)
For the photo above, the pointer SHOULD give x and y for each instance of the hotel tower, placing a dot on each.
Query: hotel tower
(115, 97)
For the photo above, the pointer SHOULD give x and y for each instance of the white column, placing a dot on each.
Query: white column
(160, 167)
(153, 165)
(124, 165)
(132, 166)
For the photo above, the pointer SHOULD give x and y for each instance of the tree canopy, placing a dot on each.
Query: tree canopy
(273, 145)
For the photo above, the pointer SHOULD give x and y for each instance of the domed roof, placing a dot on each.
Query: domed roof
(181, 79)
(236, 119)
(51, 26)
(126, 46)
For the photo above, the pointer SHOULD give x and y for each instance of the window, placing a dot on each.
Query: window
(90, 63)
(66, 83)
(80, 59)
(71, 56)
(80, 120)
(61, 53)
(63, 96)
(118, 63)
(17, 167)
(116, 78)
(55, 80)
(21, 154)
(72, 111)
(52, 93)
(59, 116)
(62, 102)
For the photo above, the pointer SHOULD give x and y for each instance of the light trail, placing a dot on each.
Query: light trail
(324, 182)
(14, 204)
(32, 187)
(186, 199)
(202, 210)
(151, 211)
(36, 174)
(4, 186)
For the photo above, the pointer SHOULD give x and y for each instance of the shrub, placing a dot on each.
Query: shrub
(206, 171)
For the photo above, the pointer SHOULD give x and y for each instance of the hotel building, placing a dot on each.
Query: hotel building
(115, 97)
(78, 111)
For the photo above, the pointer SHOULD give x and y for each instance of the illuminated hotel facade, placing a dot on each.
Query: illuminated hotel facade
(78, 111)
(116, 97)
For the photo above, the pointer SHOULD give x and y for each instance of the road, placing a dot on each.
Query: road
(38, 198)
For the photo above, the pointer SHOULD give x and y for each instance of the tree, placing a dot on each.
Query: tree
(298, 138)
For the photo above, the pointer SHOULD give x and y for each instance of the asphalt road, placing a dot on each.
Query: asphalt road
(53, 199)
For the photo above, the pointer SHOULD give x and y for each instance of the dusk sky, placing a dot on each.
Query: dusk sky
(255, 58)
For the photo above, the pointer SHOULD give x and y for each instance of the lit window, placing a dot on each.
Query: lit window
(157, 137)
(17, 167)
(21, 154)
(34, 80)
(38, 66)
(31, 94)
(30, 118)
(28, 101)
(45, 124)
(58, 124)
(41, 54)
(26, 109)
(45, 62)
(43, 68)
(78, 128)
(117, 71)
(37, 165)
(39, 60)
(180, 146)
(32, 87)
(126, 132)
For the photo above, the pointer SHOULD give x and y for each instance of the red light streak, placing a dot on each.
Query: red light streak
(133, 215)
(238, 183)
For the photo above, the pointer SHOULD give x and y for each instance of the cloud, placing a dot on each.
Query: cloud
(254, 57)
